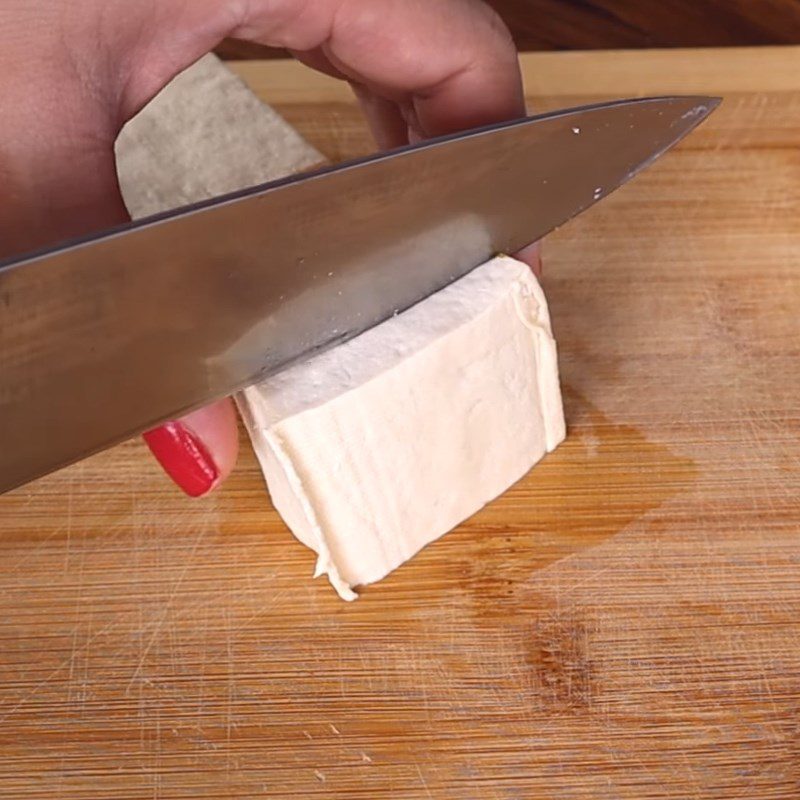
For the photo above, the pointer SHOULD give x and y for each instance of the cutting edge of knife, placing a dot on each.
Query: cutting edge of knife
(705, 106)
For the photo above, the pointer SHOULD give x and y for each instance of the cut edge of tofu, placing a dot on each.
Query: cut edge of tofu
(317, 380)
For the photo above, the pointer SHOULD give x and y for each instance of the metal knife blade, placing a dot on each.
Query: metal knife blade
(106, 337)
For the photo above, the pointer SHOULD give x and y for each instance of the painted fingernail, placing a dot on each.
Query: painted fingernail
(183, 457)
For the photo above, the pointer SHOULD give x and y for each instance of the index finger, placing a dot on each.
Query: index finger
(453, 62)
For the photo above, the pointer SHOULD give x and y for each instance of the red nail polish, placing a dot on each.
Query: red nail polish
(183, 457)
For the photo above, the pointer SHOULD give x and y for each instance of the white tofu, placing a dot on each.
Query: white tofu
(377, 447)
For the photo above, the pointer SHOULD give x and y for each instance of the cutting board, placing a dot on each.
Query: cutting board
(624, 623)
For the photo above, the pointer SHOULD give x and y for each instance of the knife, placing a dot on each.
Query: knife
(107, 336)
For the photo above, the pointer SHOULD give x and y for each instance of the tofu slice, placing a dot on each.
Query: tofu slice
(378, 447)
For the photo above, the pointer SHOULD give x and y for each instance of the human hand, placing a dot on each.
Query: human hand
(75, 73)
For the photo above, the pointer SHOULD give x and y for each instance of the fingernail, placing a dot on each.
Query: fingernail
(183, 457)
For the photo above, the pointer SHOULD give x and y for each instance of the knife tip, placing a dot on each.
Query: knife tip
(698, 108)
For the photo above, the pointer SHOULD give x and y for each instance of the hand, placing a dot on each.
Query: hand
(74, 73)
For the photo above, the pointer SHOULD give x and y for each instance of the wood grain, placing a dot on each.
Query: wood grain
(602, 24)
(606, 24)
(624, 623)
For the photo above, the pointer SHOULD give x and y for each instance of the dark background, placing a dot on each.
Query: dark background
(600, 24)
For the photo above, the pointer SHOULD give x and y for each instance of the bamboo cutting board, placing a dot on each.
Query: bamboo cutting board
(625, 623)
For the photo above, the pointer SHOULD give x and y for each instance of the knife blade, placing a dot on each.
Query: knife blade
(108, 336)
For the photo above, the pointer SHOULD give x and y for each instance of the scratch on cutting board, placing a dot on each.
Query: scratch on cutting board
(592, 577)
(35, 690)
(687, 771)
(35, 497)
(167, 608)
(423, 781)
(79, 599)
(229, 694)
(275, 600)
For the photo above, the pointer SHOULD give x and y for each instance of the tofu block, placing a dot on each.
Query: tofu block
(381, 445)
(376, 448)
